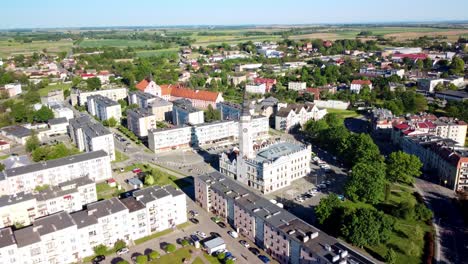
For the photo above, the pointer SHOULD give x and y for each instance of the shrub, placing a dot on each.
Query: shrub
(169, 248)
(154, 255)
(119, 244)
(142, 259)
(423, 213)
(185, 243)
(100, 249)
(221, 256)
(122, 262)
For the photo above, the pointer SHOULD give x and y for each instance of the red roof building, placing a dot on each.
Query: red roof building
(411, 56)
(269, 83)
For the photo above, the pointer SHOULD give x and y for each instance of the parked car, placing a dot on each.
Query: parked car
(136, 170)
(264, 259)
(123, 251)
(227, 254)
(233, 234)
(194, 220)
(214, 234)
(244, 243)
(193, 213)
(200, 234)
(98, 259)
(221, 224)
(254, 251)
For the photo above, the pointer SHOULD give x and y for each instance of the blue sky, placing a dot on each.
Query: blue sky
(55, 13)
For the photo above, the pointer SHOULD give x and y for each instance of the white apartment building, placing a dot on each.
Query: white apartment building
(184, 113)
(142, 99)
(256, 88)
(297, 86)
(140, 120)
(429, 84)
(62, 111)
(23, 208)
(95, 165)
(91, 136)
(169, 138)
(214, 132)
(162, 109)
(81, 97)
(452, 129)
(357, 85)
(58, 126)
(297, 115)
(104, 108)
(13, 89)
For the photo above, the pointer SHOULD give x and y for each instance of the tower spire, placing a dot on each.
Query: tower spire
(245, 104)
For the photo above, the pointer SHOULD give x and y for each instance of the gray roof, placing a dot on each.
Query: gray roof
(460, 94)
(132, 204)
(140, 112)
(16, 161)
(52, 223)
(106, 207)
(90, 128)
(17, 131)
(213, 243)
(185, 105)
(64, 188)
(26, 236)
(277, 151)
(57, 121)
(6, 200)
(159, 102)
(155, 192)
(83, 219)
(6, 237)
(142, 95)
(54, 163)
(102, 100)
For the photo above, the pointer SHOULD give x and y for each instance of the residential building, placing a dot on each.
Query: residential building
(452, 95)
(357, 85)
(295, 115)
(297, 86)
(236, 80)
(248, 67)
(373, 72)
(269, 83)
(162, 109)
(229, 111)
(256, 88)
(16, 133)
(184, 113)
(140, 120)
(399, 57)
(62, 111)
(214, 132)
(142, 99)
(169, 138)
(148, 86)
(58, 126)
(282, 235)
(382, 121)
(104, 108)
(13, 89)
(95, 165)
(53, 97)
(81, 97)
(23, 208)
(91, 136)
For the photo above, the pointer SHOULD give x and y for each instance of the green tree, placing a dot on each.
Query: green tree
(185, 243)
(112, 122)
(2, 166)
(359, 147)
(211, 114)
(333, 120)
(221, 256)
(122, 262)
(366, 182)
(100, 249)
(403, 167)
(405, 210)
(391, 256)
(153, 255)
(32, 142)
(119, 244)
(229, 261)
(422, 212)
(149, 180)
(314, 128)
(93, 84)
(141, 259)
(326, 207)
(169, 248)
(457, 67)
(43, 114)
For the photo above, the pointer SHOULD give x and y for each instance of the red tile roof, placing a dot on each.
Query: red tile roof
(142, 85)
(413, 56)
(194, 94)
(264, 80)
(87, 75)
(401, 126)
(362, 82)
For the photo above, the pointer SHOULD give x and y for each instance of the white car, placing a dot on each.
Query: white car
(200, 234)
(123, 251)
(233, 234)
(315, 158)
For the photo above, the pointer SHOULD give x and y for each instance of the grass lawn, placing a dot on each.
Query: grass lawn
(198, 261)
(342, 113)
(119, 156)
(211, 259)
(104, 191)
(162, 178)
(51, 87)
(4, 157)
(11, 47)
(176, 257)
(153, 236)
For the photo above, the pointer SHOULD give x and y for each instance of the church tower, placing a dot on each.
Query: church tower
(245, 131)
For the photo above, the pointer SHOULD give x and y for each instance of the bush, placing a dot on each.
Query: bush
(404, 210)
(119, 244)
(154, 255)
(185, 243)
(100, 249)
(169, 248)
(142, 259)
(122, 262)
(423, 213)
(221, 256)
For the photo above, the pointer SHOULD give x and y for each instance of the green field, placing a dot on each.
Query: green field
(11, 47)
(157, 53)
(119, 43)
(342, 113)
(59, 86)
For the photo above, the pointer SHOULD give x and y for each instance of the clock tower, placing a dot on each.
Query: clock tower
(245, 132)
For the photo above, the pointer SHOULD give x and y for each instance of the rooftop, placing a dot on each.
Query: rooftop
(186, 105)
(140, 112)
(105, 207)
(132, 204)
(58, 121)
(276, 151)
(90, 128)
(153, 193)
(102, 100)
(17, 131)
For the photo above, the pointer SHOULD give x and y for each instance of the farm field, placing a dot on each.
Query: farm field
(11, 48)
(157, 53)
(119, 43)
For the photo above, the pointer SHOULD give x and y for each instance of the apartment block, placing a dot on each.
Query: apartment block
(169, 138)
(70, 196)
(285, 237)
(259, 88)
(79, 97)
(295, 115)
(68, 238)
(140, 120)
(104, 108)
(184, 113)
(142, 99)
(96, 165)
(297, 86)
(89, 135)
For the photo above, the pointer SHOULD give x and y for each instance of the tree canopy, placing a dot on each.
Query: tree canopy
(403, 167)
(366, 182)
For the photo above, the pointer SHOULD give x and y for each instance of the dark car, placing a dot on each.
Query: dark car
(221, 224)
(214, 234)
(98, 259)
(254, 251)
(194, 220)
(264, 259)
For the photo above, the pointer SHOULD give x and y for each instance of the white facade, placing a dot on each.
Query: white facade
(182, 115)
(297, 115)
(256, 88)
(13, 89)
(357, 86)
(104, 108)
(297, 86)
(167, 139)
(81, 97)
(139, 121)
(62, 111)
(95, 165)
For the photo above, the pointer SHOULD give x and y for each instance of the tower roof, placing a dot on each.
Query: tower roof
(245, 105)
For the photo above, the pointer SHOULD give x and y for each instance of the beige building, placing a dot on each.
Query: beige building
(162, 109)
(141, 120)
(81, 97)
(297, 86)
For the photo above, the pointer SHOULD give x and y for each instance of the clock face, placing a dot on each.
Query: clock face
(245, 130)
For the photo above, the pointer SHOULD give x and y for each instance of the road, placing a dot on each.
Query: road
(451, 232)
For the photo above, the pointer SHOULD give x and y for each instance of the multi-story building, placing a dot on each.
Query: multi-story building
(169, 138)
(429, 84)
(297, 86)
(184, 113)
(264, 168)
(62, 111)
(104, 108)
(140, 120)
(53, 97)
(91, 136)
(13, 89)
(357, 85)
(295, 115)
(81, 97)
(95, 165)
(285, 237)
(373, 72)
(70, 196)
(269, 83)
(214, 132)
(382, 121)
(162, 109)
(259, 88)
(142, 99)
(229, 111)
(68, 238)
